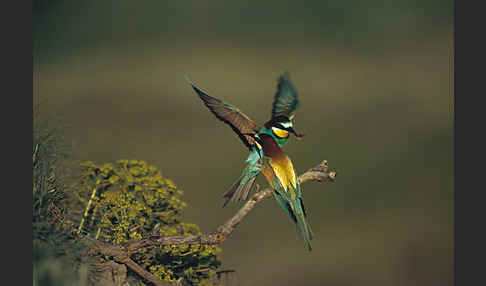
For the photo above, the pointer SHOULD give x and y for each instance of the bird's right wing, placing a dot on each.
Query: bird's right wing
(286, 101)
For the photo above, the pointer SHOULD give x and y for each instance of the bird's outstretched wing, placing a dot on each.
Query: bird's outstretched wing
(286, 101)
(230, 114)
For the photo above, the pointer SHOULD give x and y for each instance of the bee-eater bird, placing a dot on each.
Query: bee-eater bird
(282, 178)
(283, 111)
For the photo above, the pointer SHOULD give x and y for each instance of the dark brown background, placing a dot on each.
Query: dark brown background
(375, 79)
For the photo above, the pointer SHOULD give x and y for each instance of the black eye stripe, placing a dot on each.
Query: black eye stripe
(279, 126)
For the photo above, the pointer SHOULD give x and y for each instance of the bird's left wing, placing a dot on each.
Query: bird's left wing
(230, 114)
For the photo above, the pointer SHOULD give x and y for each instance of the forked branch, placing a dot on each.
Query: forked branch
(319, 173)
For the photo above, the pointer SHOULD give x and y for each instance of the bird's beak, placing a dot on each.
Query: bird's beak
(297, 135)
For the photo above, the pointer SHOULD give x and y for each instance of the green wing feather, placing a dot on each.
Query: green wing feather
(286, 101)
(240, 189)
(229, 114)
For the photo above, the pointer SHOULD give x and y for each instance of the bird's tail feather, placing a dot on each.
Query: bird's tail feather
(296, 211)
(304, 230)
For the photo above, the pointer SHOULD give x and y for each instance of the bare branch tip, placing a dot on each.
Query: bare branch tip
(332, 175)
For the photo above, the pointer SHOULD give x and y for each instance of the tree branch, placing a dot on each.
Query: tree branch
(319, 173)
(145, 274)
(121, 253)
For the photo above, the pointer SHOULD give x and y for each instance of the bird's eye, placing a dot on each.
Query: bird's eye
(281, 133)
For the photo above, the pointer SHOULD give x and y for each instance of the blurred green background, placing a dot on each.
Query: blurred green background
(375, 79)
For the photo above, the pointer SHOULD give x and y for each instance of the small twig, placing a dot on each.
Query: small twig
(145, 274)
(93, 195)
(34, 155)
(98, 233)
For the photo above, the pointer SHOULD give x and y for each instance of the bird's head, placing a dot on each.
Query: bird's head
(280, 128)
